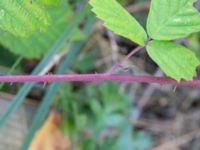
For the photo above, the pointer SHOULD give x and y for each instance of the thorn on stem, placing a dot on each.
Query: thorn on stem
(174, 89)
(45, 83)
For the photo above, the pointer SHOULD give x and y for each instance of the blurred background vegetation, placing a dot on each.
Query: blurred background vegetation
(93, 116)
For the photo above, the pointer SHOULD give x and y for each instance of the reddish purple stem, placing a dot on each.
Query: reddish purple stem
(97, 77)
(118, 66)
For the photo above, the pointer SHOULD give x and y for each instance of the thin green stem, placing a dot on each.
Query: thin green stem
(17, 62)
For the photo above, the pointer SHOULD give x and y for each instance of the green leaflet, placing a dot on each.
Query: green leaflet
(39, 43)
(172, 19)
(176, 61)
(118, 20)
(49, 2)
(22, 18)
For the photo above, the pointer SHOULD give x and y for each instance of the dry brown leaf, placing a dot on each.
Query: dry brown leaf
(49, 137)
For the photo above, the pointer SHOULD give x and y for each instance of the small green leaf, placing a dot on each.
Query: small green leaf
(49, 2)
(118, 20)
(172, 19)
(175, 60)
(22, 18)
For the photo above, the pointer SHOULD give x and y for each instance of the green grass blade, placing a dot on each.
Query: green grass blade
(53, 89)
(17, 62)
(18, 100)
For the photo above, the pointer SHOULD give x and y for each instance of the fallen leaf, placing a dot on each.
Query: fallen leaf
(49, 137)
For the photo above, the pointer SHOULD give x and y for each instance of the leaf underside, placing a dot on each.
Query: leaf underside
(172, 19)
(117, 19)
(22, 18)
(175, 60)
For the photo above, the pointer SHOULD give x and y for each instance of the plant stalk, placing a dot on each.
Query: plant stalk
(96, 78)
(119, 65)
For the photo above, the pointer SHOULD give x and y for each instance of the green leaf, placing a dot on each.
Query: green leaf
(39, 43)
(118, 20)
(49, 2)
(22, 18)
(130, 140)
(175, 60)
(172, 19)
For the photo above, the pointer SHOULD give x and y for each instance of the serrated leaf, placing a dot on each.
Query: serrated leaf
(175, 60)
(117, 19)
(49, 2)
(39, 43)
(172, 19)
(22, 18)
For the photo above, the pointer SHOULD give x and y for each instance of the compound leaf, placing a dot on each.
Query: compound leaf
(175, 60)
(22, 18)
(172, 19)
(117, 19)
